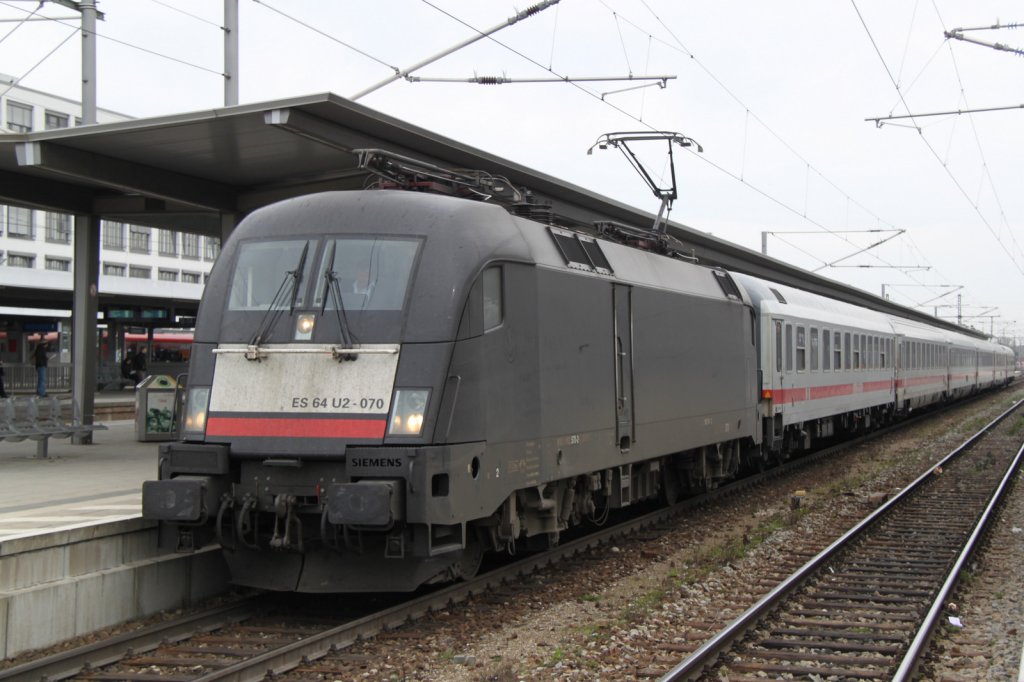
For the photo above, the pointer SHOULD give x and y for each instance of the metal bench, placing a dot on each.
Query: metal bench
(39, 419)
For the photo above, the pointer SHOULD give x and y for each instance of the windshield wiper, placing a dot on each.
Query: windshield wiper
(331, 284)
(273, 314)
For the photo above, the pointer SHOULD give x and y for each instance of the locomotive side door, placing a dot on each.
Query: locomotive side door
(623, 344)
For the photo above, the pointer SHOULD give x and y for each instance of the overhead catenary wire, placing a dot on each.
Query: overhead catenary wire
(750, 114)
(133, 46)
(316, 30)
(931, 148)
(38, 63)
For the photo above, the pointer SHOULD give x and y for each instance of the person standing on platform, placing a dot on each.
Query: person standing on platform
(3, 391)
(41, 357)
(139, 365)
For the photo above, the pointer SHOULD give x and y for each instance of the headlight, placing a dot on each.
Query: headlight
(197, 400)
(408, 408)
(304, 327)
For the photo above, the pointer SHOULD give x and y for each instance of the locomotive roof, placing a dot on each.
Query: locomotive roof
(194, 172)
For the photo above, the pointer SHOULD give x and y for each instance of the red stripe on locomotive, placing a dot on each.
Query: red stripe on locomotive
(295, 428)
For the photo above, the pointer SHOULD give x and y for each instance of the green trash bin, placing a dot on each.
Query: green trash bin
(155, 401)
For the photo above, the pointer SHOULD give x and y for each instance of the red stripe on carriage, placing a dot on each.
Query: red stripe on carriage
(870, 386)
(818, 392)
(262, 427)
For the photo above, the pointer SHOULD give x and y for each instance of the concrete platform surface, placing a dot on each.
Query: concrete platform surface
(77, 484)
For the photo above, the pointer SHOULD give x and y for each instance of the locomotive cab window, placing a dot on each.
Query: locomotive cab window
(370, 273)
(265, 269)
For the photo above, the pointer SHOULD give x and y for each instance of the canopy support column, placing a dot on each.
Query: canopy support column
(83, 319)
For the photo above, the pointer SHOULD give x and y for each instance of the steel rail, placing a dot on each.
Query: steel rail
(707, 654)
(74, 661)
(908, 665)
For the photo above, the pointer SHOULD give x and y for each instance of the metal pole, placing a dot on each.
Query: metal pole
(402, 73)
(88, 9)
(83, 318)
(230, 52)
(764, 243)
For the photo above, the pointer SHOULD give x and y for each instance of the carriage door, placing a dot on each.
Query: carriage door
(622, 303)
(777, 376)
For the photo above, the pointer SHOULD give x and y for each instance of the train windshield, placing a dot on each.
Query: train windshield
(265, 271)
(372, 273)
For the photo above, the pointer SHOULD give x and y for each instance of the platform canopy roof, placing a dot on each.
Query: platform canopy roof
(196, 172)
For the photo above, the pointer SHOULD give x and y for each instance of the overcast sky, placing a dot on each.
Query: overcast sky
(775, 92)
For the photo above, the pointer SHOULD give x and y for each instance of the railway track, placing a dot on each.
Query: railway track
(866, 606)
(245, 641)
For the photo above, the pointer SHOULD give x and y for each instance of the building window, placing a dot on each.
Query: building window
(167, 275)
(212, 249)
(58, 228)
(191, 277)
(21, 260)
(113, 269)
(58, 264)
(20, 224)
(167, 243)
(138, 239)
(19, 117)
(55, 119)
(113, 235)
(140, 272)
(190, 245)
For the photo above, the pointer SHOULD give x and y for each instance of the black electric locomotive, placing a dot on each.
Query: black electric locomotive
(385, 385)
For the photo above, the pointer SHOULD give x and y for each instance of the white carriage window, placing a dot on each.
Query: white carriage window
(801, 349)
(883, 353)
(856, 351)
(778, 346)
(814, 349)
(493, 309)
(788, 347)
(846, 350)
(837, 350)
(826, 350)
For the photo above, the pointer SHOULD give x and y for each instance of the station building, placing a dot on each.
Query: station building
(150, 279)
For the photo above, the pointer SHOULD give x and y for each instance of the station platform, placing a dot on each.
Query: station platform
(77, 485)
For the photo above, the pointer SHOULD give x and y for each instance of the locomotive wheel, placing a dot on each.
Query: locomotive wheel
(472, 557)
